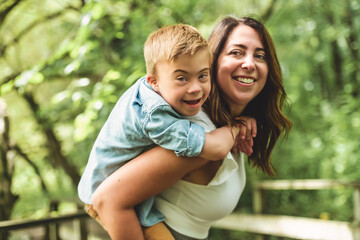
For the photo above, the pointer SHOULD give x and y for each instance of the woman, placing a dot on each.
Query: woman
(248, 82)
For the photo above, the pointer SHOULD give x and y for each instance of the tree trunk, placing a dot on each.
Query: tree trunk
(7, 198)
(54, 143)
(352, 41)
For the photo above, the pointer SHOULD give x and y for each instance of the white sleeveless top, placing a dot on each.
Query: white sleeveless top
(191, 209)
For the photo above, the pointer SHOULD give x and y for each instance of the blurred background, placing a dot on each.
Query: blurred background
(64, 64)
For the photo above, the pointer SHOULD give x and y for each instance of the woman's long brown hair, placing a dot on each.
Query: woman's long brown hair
(266, 107)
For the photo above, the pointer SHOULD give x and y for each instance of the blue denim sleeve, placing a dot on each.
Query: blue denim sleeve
(169, 131)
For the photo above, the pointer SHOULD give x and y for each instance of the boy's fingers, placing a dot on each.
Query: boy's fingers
(243, 131)
(242, 148)
(249, 146)
(245, 148)
(250, 151)
(251, 142)
(248, 134)
(254, 128)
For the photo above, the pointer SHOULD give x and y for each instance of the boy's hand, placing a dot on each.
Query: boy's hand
(248, 130)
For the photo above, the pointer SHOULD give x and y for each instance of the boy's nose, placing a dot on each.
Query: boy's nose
(194, 87)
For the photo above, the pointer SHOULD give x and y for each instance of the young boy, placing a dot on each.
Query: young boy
(152, 112)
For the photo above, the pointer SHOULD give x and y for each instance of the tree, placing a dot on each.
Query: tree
(64, 64)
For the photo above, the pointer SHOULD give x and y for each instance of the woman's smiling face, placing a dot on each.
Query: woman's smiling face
(242, 68)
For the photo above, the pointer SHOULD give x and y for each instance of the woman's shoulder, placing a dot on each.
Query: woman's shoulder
(203, 120)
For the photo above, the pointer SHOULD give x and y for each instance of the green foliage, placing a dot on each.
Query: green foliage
(78, 59)
(319, 58)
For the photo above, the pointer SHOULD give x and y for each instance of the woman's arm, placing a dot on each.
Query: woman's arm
(141, 178)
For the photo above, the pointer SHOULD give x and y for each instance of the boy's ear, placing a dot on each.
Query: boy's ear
(153, 82)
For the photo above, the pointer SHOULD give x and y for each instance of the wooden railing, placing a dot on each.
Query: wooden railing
(296, 227)
(259, 223)
(51, 224)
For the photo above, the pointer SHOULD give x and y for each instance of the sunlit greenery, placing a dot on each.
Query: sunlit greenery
(64, 64)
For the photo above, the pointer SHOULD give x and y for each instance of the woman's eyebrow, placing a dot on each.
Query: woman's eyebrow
(260, 49)
(245, 47)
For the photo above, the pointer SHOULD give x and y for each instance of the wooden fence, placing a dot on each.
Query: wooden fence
(51, 224)
(259, 223)
(291, 226)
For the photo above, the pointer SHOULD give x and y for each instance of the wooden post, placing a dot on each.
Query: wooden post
(80, 229)
(52, 229)
(83, 229)
(257, 199)
(357, 205)
(356, 224)
(82, 224)
(258, 204)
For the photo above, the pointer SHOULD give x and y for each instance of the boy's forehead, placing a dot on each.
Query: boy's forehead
(204, 52)
(197, 62)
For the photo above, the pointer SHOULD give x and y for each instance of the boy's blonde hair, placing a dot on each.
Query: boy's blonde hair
(171, 42)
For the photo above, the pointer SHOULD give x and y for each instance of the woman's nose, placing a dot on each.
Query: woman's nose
(248, 63)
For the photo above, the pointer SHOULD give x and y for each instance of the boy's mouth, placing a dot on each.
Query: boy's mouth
(192, 102)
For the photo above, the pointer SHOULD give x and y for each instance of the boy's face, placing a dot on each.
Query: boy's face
(184, 83)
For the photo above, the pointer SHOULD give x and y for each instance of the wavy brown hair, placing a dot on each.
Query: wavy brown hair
(266, 107)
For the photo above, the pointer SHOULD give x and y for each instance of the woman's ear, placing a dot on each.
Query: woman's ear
(153, 82)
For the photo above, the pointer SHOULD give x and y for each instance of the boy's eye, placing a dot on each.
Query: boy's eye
(181, 79)
(203, 76)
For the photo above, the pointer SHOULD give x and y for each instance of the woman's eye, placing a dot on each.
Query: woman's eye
(236, 53)
(261, 56)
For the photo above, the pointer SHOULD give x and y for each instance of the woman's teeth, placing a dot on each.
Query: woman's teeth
(245, 80)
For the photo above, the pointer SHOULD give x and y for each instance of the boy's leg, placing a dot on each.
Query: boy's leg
(157, 232)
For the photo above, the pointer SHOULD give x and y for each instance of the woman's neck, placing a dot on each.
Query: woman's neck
(236, 110)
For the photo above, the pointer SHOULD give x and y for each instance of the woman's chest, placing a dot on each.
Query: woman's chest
(207, 202)
(204, 175)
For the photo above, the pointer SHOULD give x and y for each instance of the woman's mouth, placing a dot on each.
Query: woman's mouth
(244, 80)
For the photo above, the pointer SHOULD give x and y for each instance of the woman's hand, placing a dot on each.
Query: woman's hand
(244, 140)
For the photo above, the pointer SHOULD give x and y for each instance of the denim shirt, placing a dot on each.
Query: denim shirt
(140, 120)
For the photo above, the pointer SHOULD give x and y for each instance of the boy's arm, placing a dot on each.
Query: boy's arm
(219, 142)
(188, 139)
(248, 130)
(168, 130)
(141, 178)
